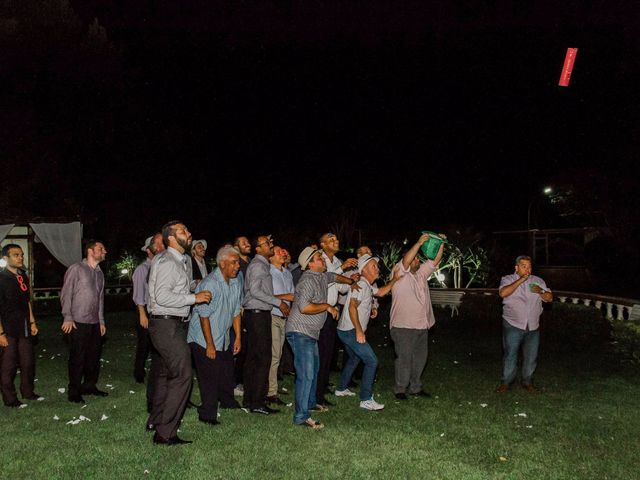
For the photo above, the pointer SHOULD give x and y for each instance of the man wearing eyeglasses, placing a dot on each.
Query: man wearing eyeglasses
(258, 302)
(17, 327)
(82, 299)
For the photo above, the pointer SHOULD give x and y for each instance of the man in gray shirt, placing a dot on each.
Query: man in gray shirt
(170, 299)
(258, 302)
(82, 299)
(308, 314)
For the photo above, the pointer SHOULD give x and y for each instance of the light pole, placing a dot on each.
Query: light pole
(547, 191)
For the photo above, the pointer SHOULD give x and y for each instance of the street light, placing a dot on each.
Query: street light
(547, 191)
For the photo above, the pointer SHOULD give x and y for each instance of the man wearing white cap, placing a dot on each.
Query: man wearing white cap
(351, 331)
(199, 266)
(152, 246)
(307, 316)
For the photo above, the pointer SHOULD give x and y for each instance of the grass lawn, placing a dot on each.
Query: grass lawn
(583, 424)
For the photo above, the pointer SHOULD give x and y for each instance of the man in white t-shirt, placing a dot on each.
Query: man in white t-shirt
(351, 331)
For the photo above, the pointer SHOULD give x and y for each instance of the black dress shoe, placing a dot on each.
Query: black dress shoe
(158, 440)
(35, 396)
(208, 421)
(139, 379)
(422, 393)
(76, 399)
(96, 392)
(402, 396)
(14, 404)
(326, 403)
(275, 401)
(230, 406)
(265, 410)
(190, 404)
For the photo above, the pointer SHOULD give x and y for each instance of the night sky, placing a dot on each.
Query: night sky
(249, 117)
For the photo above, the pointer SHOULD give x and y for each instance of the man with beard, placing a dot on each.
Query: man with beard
(258, 302)
(82, 299)
(17, 329)
(170, 299)
(243, 246)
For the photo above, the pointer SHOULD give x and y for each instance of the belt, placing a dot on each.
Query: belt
(252, 310)
(279, 316)
(171, 317)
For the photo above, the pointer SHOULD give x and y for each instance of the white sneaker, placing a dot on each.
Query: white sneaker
(371, 404)
(344, 393)
(239, 390)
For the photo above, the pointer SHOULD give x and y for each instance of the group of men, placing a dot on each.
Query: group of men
(231, 324)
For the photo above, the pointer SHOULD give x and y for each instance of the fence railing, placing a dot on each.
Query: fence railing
(618, 308)
(45, 293)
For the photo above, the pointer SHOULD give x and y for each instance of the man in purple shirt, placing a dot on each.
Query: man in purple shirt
(82, 299)
(522, 296)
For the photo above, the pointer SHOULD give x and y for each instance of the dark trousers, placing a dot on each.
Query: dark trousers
(286, 362)
(85, 344)
(258, 358)
(173, 376)
(326, 344)
(143, 348)
(215, 380)
(19, 353)
(238, 371)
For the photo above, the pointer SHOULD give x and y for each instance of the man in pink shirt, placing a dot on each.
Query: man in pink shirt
(411, 318)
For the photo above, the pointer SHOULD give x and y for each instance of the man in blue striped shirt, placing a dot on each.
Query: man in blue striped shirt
(209, 337)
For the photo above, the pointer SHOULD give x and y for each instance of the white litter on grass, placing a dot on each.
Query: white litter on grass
(288, 404)
(599, 417)
(109, 385)
(84, 419)
(61, 390)
(245, 410)
(131, 391)
(53, 357)
(40, 399)
(56, 417)
(146, 472)
(524, 415)
(442, 434)
(24, 405)
(456, 362)
(483, 405)
(74, 422)
(83, 406)
(529, 426)
(104, 417)
(35, 380)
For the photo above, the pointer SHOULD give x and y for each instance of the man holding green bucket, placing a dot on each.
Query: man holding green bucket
(412, 314)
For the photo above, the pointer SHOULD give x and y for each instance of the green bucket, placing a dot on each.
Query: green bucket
(430, 247)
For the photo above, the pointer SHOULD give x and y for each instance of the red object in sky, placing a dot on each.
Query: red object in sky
(569, 60)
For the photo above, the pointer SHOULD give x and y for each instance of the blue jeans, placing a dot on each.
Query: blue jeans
(512, 339)
(358, 352)
(306, 361)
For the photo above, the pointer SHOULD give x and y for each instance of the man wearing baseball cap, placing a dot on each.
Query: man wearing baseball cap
(307, 316)
(351, 331)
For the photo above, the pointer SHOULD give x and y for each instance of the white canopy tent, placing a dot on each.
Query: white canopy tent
(62, 239)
